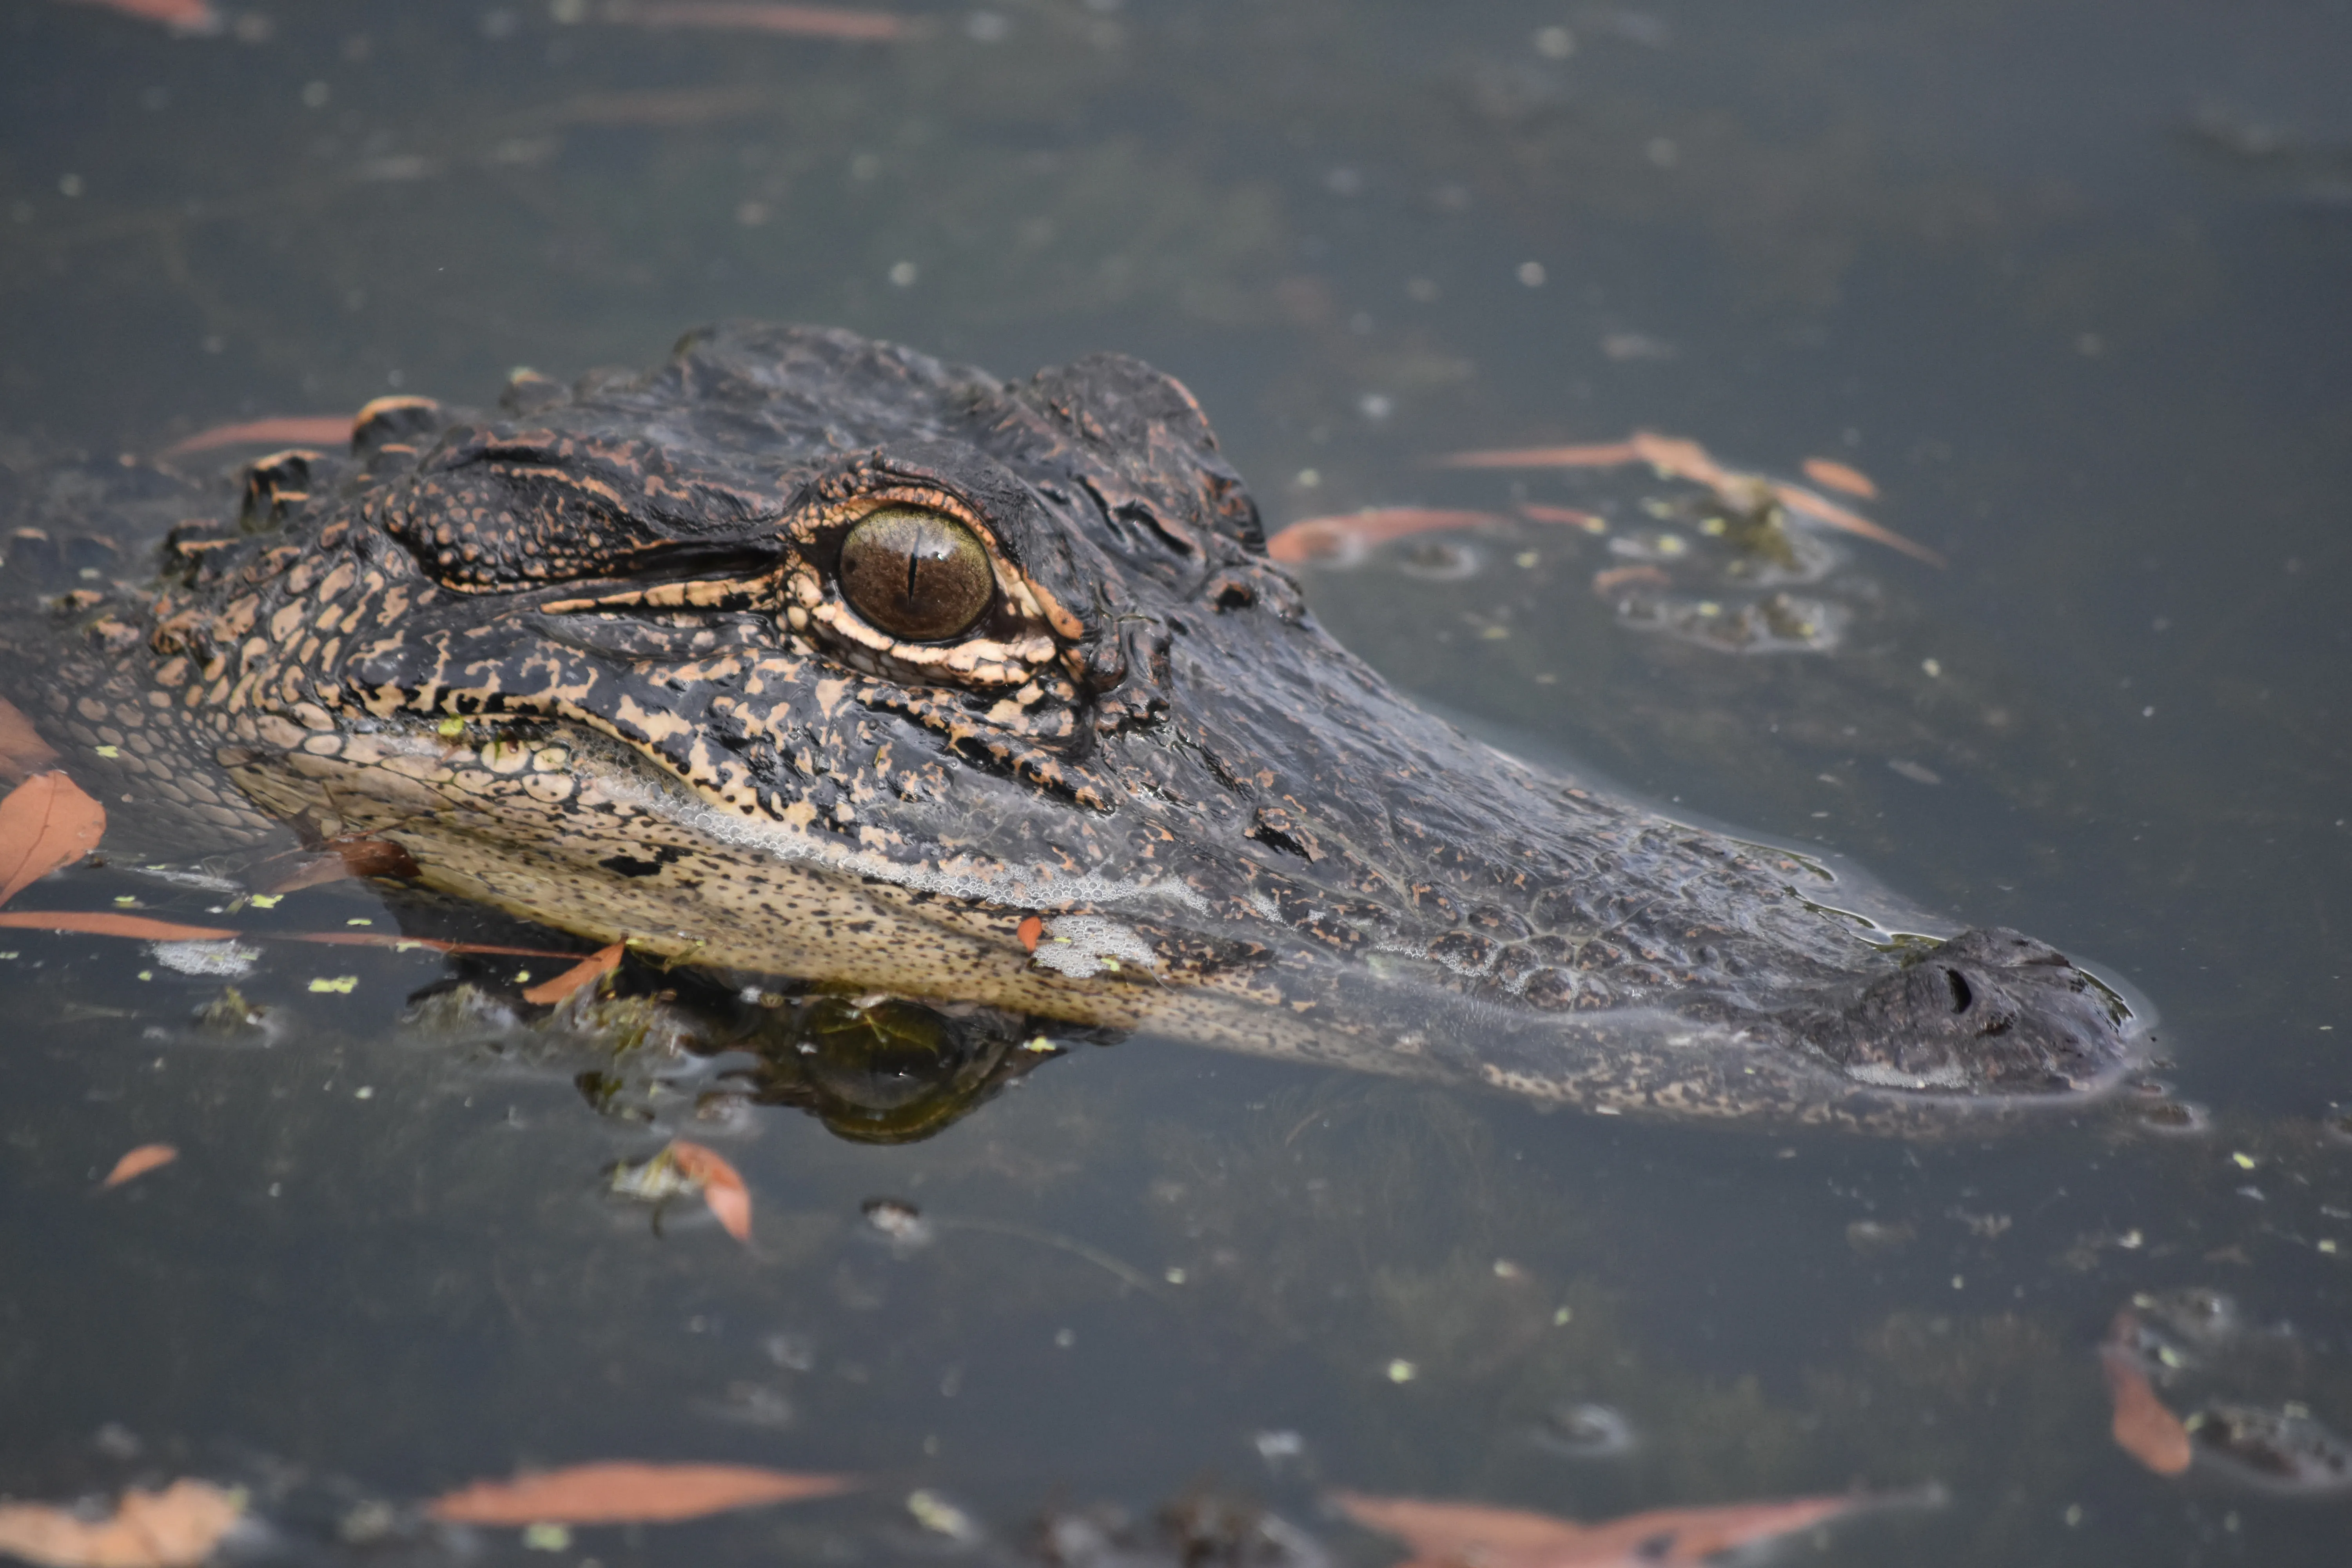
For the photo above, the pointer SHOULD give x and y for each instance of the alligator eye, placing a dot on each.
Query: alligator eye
(915, 573)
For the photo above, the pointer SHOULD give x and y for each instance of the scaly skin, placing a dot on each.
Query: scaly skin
(588, 662)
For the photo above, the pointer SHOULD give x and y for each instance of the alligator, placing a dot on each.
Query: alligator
(804, 655)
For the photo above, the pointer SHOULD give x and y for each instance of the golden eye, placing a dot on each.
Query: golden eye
(915, 573)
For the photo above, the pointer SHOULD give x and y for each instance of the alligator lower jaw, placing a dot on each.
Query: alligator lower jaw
(751, 902)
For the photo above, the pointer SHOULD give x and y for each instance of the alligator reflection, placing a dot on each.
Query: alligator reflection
(873, 1069)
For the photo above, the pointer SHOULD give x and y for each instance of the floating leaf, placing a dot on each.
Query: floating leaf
(791, 21)
(1797, 498)
(1837, 475)
(1347, 535)
(403, 943)
(1474, 1535)
(722, 1188)
(293, 431)
(175, 1528)
(587, 972)
(22, 752)
(1678, 457)
(138, 1163)
(2143, 1426)
(1606, 456)
(45, 822)
(621, 1492)
(101, 922)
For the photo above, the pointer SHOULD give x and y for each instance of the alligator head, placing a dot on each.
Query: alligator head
(805, 655)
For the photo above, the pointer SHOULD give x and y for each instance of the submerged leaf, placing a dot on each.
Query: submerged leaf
(22, 752)
(2143, 1427)
(1678, 457)
(175, 1528)
(45, 822)
(587, 972)
(103, 922)
(622, 1492)
(1474, 1535)
(138, 1163)
(1834, 475)
(759, 16)
(1346, 535)
(722, 1188)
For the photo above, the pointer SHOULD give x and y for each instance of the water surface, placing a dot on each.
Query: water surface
(2068, 280)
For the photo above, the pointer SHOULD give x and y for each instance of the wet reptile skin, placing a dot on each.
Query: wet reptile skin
(588, 661)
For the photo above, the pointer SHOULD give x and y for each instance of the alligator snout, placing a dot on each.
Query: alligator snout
(1988, 1012)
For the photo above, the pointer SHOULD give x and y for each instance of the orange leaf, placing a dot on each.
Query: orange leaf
(1837, 475)
(1594, 457)
(791, 21)
(175, 1528)
(1473, 1535)
(104, 923)
(1797, 498)
(1607, 583)
(294, 430)
(1683, 459)
(587, 972)
(138, 1163)
(621, 1492)
(1032, 930)
(722, 1188)
(1318, 537)
(391, 939)
(46, 822)
(2143, 1427)
(1680, 456)
(22, 750)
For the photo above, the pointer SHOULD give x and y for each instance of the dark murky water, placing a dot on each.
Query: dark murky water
(2073, 282)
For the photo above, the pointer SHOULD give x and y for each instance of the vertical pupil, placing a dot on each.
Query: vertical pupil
(916, 573)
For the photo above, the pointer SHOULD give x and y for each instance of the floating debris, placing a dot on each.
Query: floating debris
(1678, 457)
(178, 1527)
(681, 1169)
(2142, 1425)
(138, 1163)
(214, 960)
(1837, 475)
(836, 23)
(1585, 1431)
(1443, 1534)
(626, 1492)
(1343, 540)
(899, 1222)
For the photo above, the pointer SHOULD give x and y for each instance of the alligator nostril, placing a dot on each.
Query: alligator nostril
(1961, 995)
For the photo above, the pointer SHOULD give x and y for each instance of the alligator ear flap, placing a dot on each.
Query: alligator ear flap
(394, 422)
(1156, 459)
